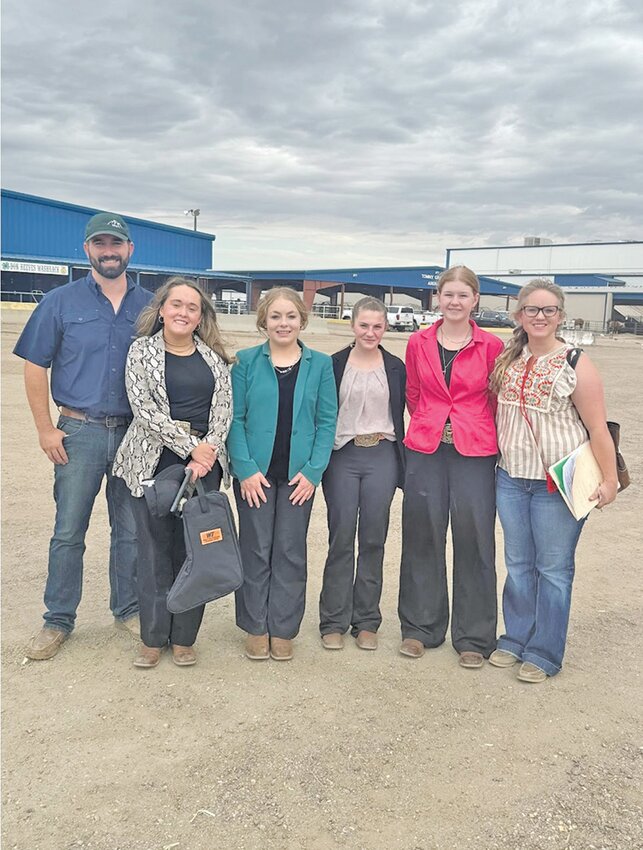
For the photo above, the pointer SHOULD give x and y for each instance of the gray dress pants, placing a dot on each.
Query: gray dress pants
(438, 487)
(359, 485)
(161, 553)
(272, 539)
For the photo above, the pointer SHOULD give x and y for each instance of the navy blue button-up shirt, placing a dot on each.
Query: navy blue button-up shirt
(75, 331)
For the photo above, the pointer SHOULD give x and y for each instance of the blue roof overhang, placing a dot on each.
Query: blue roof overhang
(407, 279)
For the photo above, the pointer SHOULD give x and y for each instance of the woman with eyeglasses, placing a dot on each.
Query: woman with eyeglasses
(548, 404)
(451, 452)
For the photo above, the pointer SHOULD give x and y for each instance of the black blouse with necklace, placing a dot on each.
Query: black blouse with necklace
(286, 378)
(190, 386)
(446, 361)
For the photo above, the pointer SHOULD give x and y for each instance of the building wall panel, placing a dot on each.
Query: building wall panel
(39, 227)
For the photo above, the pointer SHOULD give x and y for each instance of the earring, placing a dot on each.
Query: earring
(198, 327)
(161, 319)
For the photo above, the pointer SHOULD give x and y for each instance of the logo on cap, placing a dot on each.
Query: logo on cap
(114, 223)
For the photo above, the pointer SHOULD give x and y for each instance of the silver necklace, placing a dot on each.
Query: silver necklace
(446, 365)
(443, 359)
(457, 341)
(283, 370)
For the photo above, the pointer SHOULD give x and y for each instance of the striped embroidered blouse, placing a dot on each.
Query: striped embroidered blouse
(557, 427)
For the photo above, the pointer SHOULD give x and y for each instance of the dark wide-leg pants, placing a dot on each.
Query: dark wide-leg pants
(359, 486)
(438, 487)
(161, 553)
(272, 539)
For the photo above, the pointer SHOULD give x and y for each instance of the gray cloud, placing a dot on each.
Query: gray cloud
(369, 133)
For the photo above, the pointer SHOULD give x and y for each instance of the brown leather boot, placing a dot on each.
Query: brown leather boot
(148, 656)
(257, 648)
(412, 648)
(280, 649)
(45, 644)
(366, 640)
(183, 656)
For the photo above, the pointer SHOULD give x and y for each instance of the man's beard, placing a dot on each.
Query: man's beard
(112, 271)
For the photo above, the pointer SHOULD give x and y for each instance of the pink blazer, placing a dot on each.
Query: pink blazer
(467, 403)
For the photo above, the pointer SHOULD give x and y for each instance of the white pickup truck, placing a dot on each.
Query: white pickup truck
(401, 318)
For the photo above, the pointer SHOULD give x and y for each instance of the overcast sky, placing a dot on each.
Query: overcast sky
(312, 134)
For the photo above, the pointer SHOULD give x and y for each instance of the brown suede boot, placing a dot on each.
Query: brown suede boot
(257, 648)
(280, 649)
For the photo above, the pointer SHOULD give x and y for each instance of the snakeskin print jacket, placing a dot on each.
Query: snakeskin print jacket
(152, 427)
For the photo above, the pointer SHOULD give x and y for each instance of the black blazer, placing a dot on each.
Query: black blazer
(396, 377)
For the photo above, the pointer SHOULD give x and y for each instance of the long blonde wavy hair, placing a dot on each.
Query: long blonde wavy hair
(519, 339)
(149, 321)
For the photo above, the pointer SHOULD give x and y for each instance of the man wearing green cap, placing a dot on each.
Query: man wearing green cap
(82, 332)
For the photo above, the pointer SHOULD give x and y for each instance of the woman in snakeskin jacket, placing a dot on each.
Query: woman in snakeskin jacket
(178, 384)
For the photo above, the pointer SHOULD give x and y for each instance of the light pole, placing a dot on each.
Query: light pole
(194, 213)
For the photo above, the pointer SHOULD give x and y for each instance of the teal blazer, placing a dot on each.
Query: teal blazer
(255, 400)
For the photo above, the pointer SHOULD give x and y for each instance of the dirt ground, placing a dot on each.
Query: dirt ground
(353, 750)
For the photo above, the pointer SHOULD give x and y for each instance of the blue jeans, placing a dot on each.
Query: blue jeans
(90, 449)
(541, 535)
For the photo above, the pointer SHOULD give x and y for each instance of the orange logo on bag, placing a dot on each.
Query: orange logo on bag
(212, 536)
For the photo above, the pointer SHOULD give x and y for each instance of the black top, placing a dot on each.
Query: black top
(279, 461)
(446, 361)
(190, 386)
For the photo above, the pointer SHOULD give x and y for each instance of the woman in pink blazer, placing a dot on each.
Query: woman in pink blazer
(450, 476)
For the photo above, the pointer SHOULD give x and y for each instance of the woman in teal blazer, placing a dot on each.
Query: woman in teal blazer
(281, 438)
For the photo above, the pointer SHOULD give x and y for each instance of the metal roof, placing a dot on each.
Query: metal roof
(397, 277)
(44, 228)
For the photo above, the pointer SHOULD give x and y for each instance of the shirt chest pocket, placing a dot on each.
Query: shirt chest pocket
(82, 331)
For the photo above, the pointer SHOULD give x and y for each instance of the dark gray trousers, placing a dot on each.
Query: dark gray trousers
(359, 486)
(437, 487)
(272, 539)
(161, 553)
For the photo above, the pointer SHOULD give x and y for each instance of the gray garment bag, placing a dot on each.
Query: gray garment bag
(213, 566)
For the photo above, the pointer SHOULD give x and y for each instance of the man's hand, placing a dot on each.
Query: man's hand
(51, 442)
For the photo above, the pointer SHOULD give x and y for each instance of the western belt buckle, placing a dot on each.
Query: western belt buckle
(447, 434)
(366, 441)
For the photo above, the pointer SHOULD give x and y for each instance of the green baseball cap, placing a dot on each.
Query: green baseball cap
(108, 224)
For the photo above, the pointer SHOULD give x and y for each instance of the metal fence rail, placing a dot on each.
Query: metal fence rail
(33, 297)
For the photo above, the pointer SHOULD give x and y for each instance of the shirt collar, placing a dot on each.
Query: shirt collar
(90, 280)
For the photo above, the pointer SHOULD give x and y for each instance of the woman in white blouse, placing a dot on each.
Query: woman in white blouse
(366, 466)
(549, 403)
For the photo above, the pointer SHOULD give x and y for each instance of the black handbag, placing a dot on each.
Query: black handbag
(212, 568)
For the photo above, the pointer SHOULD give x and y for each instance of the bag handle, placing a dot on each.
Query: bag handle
(184, 490)
(201, 495)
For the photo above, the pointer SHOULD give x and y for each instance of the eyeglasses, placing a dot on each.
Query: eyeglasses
(532, 311)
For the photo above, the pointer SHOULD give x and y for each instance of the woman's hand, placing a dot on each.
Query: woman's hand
(252, 489)
(204, 454)
(198, 470)
(605, 493)
(303, 490)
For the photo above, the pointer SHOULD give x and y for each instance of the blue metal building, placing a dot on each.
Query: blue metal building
(382, 282)
(42, 247)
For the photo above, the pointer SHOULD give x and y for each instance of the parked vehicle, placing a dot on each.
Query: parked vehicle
(401, 318)
(493, 319)
(427, 317)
